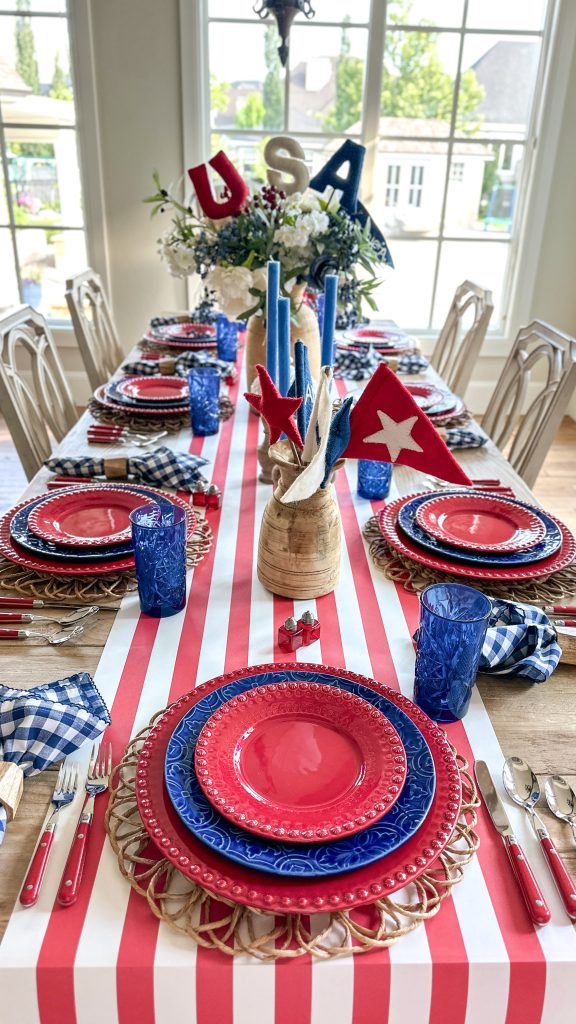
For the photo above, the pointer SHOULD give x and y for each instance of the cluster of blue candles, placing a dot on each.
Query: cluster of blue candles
(278, 327)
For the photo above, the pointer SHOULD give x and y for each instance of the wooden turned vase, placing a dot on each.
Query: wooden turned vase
(299, 545)
(305, 329)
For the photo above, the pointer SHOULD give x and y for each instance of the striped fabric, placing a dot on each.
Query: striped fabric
(107, 959)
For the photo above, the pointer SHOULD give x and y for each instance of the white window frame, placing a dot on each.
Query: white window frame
(416, 185)
(393, 185)
(540, 143)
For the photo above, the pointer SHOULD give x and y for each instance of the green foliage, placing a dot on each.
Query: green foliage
(36, 150)
(252, 113)
(218, 94)
(26, 63)
(273, 91)
(347, 109)
(60, 90)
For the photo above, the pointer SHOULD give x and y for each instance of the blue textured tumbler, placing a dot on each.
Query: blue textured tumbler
(453, 623)
(204, 393)
(227, 338)
(374, 479)
(159, 539)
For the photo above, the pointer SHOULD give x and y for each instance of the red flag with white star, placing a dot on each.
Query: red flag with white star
(387, 425)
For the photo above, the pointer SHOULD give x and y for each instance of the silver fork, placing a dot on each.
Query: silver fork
(96, 782)
(64, 790)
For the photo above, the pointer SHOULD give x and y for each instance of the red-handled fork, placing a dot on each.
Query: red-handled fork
(64, 790)
(99, 771)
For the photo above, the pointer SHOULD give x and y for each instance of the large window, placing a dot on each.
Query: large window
(41, 218)
(440, 91)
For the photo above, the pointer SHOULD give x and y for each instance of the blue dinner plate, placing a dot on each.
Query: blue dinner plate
(547, 547)
(112, 392)
(30, 542)
(307, 860)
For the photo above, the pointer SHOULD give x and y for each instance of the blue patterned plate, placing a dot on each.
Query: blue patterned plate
(307, 860)
(547, 547)
(30, 542)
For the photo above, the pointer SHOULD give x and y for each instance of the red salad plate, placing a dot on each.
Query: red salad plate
(282, 894)
(167, 410)
(51, 566)
(155, 389)
(209, 342)
(86, 519)
(302, 767)
(450, 407)
(185, 331)
(480, 523)
(426, 396)
(400, 542)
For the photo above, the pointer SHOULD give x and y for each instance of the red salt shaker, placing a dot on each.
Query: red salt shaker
(290, 635)
(213, 497)
(310, 628)
(199, 494)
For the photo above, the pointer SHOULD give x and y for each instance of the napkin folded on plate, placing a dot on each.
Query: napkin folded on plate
(43, 725)
(160, 468)
(182, 363)
(520, 641)
(457, 438)
(358, 364)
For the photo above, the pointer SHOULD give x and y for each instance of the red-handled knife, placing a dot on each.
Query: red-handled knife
(533, 898)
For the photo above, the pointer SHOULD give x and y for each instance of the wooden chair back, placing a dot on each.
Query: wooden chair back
(459, 342)
(34, 397)
(94, 327)
(524, 422)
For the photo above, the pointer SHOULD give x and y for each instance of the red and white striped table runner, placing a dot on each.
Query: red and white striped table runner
(108, 960)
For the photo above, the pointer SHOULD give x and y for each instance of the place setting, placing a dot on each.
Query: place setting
(185, 335)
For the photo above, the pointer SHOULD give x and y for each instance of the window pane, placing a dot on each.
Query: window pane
(482, 262)
(472, 178)
(406, 294)
(44, 176)
(519, 14)
(431, 12)
(36, 81)
(8, 281)
(418, 83)
(247, 80)
(497, 85)
(52, 6)
(413, 206)
(342, 10)
(326, 79)
(46, 259)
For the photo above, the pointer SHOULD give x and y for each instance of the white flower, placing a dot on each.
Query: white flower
(232, 286)
(178, 254)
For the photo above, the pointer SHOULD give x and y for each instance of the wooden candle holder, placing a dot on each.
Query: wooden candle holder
(11, 786)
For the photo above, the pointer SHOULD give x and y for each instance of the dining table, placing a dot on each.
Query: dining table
(107, 959)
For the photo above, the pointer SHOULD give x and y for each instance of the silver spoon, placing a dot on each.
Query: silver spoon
(561, 800)
(523, 788)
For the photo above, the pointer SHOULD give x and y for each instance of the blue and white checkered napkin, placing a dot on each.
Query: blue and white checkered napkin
(359, 364)
(520, 641)
(457, 438)
(160, 468)
(43, 725)
(183, 363)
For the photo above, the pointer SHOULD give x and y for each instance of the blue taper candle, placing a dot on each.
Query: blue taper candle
(272, 294)
(320, 308)
(283, 346)
(329, 321)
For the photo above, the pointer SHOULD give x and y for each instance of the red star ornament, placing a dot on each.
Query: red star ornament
(387, 425)
(276, 410)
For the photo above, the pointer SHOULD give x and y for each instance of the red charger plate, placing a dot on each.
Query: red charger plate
(184, 346)
(51, 566)
(184, 331)
(406, 546)
(426, 396)
(276, 893)
(86, 519)
(138, 410)
(303, 767)
(155, 389)
(481, 523)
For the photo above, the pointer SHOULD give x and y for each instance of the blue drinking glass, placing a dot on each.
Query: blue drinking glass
(159, 539)
(204, 389)
(374, 479)
(227, 338)
(453, 623)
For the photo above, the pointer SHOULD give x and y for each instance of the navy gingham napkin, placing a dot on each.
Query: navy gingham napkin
(43, 725)
(359, 364)
(455, 437)
(183, 363)
(160, 468)
(520, 641)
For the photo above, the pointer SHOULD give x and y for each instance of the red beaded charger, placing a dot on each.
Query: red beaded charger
(167, 410)
(301, 767)
(276, 893)
(87, 518)
(155, 389)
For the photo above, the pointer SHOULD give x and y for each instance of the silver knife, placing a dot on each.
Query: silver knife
(533, 898)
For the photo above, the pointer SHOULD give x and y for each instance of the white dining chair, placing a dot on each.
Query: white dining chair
(94, 326)
(462, 336)
(531, 397)
(34, 397)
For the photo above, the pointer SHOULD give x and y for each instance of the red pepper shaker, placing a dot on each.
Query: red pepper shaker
(213, 497)
(199, 494)
(310, 628)
(290, 635)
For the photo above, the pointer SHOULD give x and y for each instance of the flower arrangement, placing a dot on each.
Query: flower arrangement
(309, 233)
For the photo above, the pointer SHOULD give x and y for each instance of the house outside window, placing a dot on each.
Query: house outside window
(41, 215)
(445, 92)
